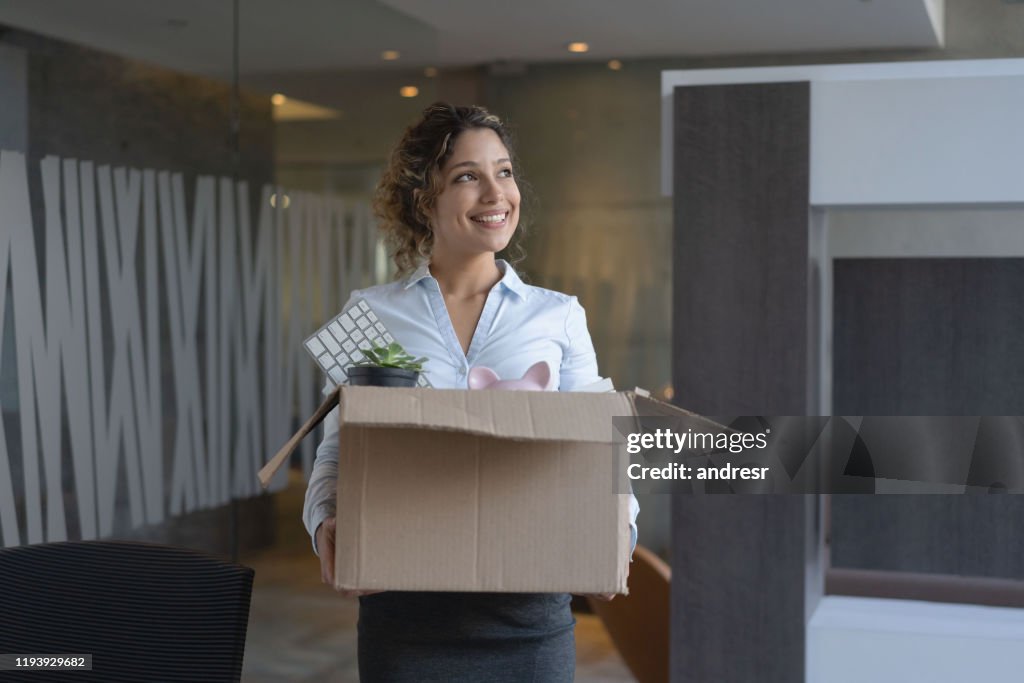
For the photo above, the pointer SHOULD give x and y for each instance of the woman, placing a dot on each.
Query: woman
(448, 202)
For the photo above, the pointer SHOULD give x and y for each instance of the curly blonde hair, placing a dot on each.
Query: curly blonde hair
(423, 150)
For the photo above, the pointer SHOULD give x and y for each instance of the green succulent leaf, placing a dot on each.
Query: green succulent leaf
(390, 356)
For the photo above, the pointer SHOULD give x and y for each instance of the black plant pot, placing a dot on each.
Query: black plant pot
(374, 376)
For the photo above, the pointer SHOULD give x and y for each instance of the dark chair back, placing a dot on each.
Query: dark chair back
(144, 612)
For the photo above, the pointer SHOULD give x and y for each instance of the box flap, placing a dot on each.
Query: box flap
(523, 415)
(642, 405)
(645, 406)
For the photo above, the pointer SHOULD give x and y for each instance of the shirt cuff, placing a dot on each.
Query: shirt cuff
(634, 510)
(319, 515)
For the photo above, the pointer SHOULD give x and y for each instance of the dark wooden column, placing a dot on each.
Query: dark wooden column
(740, 283)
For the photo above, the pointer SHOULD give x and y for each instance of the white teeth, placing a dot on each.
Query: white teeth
(491, 219)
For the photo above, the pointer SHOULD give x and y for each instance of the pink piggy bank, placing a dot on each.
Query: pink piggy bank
(537, 378)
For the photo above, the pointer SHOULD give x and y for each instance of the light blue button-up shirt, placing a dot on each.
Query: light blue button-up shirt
(519, 326)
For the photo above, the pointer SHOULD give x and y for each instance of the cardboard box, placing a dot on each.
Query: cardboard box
(458, 490)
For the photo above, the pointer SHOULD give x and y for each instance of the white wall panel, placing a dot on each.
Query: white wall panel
(943, 132)
(917, 141)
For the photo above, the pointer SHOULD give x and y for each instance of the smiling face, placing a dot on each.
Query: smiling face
(478, 208)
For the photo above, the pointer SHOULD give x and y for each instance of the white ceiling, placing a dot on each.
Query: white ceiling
(303, 35)
(483, 30)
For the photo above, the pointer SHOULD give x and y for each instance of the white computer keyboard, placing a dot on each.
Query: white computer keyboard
(336, 345)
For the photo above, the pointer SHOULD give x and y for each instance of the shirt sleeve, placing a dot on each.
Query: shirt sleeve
(321, 492)
(579, 368)
(579, 362)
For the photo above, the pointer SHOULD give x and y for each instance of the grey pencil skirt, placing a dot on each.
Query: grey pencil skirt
(514, 637)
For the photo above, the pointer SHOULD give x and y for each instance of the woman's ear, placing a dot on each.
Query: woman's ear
(481, 378)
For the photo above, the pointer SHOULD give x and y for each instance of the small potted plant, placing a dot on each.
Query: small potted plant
(386, 366)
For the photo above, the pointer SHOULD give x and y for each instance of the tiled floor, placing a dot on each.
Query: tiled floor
(301, 631)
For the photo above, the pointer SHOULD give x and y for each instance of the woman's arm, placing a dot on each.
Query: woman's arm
(579, 362)
(319, 510)
(321, 502)
(321, 493)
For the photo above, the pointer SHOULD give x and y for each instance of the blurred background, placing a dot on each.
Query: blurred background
(300, 103)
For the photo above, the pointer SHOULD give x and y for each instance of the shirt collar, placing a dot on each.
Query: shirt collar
(420, 273)
(509, 278)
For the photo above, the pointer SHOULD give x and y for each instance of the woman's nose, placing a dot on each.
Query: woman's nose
(492, 192)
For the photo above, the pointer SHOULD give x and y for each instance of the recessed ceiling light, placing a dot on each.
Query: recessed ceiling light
(409, 91)
(389, 55)
(278, 99)
(614, 65)
(430, 72)
(577, 47)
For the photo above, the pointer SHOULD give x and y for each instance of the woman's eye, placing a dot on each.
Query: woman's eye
(466, 177)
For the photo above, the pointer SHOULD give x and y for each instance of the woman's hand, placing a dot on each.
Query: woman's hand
(603, 597)
(325, 545)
